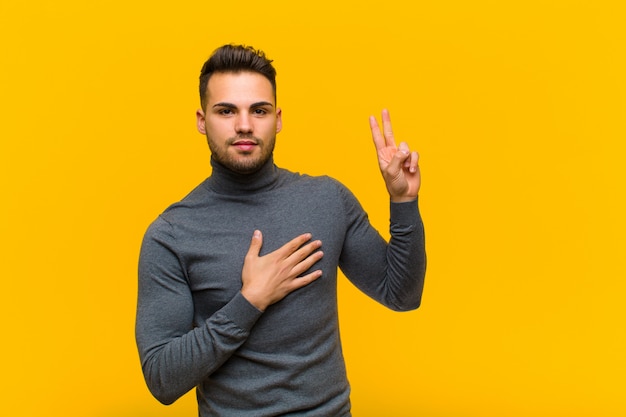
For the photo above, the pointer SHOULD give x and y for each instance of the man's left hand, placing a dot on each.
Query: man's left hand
(398, 165)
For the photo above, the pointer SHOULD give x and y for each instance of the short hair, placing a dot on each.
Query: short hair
(236, 59)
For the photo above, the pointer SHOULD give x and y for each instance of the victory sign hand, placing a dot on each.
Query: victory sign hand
(398, 165)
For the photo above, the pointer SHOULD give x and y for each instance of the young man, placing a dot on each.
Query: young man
(238, 281)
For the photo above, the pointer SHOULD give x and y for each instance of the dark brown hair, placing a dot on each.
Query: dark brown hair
(235, 58)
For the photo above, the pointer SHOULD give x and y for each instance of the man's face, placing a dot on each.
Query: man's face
(241, 120)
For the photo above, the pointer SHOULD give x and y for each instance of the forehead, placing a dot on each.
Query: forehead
(239, 88)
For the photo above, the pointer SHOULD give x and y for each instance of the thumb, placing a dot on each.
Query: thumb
(256, 243)
(399, 159)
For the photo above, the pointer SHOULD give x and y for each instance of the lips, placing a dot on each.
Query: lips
(244, 144)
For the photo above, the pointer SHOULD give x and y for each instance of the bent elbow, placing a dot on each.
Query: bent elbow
(162, 387)
(164, 395)
(164, 398)
(414, 305)
(408, 300)
(407, 305)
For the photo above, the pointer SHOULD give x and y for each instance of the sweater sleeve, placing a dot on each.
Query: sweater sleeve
(175, 354)
(393, 272)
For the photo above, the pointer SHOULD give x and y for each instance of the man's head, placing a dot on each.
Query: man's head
(235, 59)
(239, 115)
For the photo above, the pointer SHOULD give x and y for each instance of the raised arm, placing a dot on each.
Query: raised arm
(391, 272)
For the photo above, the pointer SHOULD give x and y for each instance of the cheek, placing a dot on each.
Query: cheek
(217, 130)
(270, 128)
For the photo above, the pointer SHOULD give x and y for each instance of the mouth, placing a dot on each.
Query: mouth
(245, 145)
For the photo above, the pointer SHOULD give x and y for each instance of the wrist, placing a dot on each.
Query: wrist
(403, 199)
(255, 300)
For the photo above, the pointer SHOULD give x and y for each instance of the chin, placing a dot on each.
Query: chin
(246, 166)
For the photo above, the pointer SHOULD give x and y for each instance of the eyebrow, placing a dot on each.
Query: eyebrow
(232, 106)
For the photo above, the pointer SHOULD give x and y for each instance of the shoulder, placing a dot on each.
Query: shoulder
(198, 196)
(168, 218)
(332, 186)
(321, 183)
(325, 190)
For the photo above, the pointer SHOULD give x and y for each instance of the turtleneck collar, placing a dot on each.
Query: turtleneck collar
(226, 181)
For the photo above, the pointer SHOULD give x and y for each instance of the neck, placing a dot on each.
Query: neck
(226, 181)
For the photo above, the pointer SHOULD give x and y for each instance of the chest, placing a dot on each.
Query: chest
(219, 235)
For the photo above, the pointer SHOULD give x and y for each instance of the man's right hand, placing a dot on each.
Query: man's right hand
(268, 279)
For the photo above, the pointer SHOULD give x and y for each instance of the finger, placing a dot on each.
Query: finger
(400, 159)
(377, 136)
(304, 251)
(305, 264)
(404, 148)
(305, 280)
(293, 245)
(414, 164)
(387, 130)
(255, 243)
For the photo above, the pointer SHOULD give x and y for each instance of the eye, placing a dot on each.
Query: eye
(259, 111)
(226, 112)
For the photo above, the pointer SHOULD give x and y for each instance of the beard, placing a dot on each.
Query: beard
(242, 163)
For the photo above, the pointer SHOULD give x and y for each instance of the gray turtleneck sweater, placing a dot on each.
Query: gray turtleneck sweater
(195, 329)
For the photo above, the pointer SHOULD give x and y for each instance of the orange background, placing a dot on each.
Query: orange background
(517, 108)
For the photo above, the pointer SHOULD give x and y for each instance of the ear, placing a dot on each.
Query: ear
(279, 119)
(200, 121)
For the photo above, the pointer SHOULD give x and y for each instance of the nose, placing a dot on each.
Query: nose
(243, 123)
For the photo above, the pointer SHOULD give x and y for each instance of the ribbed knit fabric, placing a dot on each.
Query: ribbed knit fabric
(195, 329)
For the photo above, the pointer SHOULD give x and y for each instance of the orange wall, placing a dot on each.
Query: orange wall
(517, 108)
